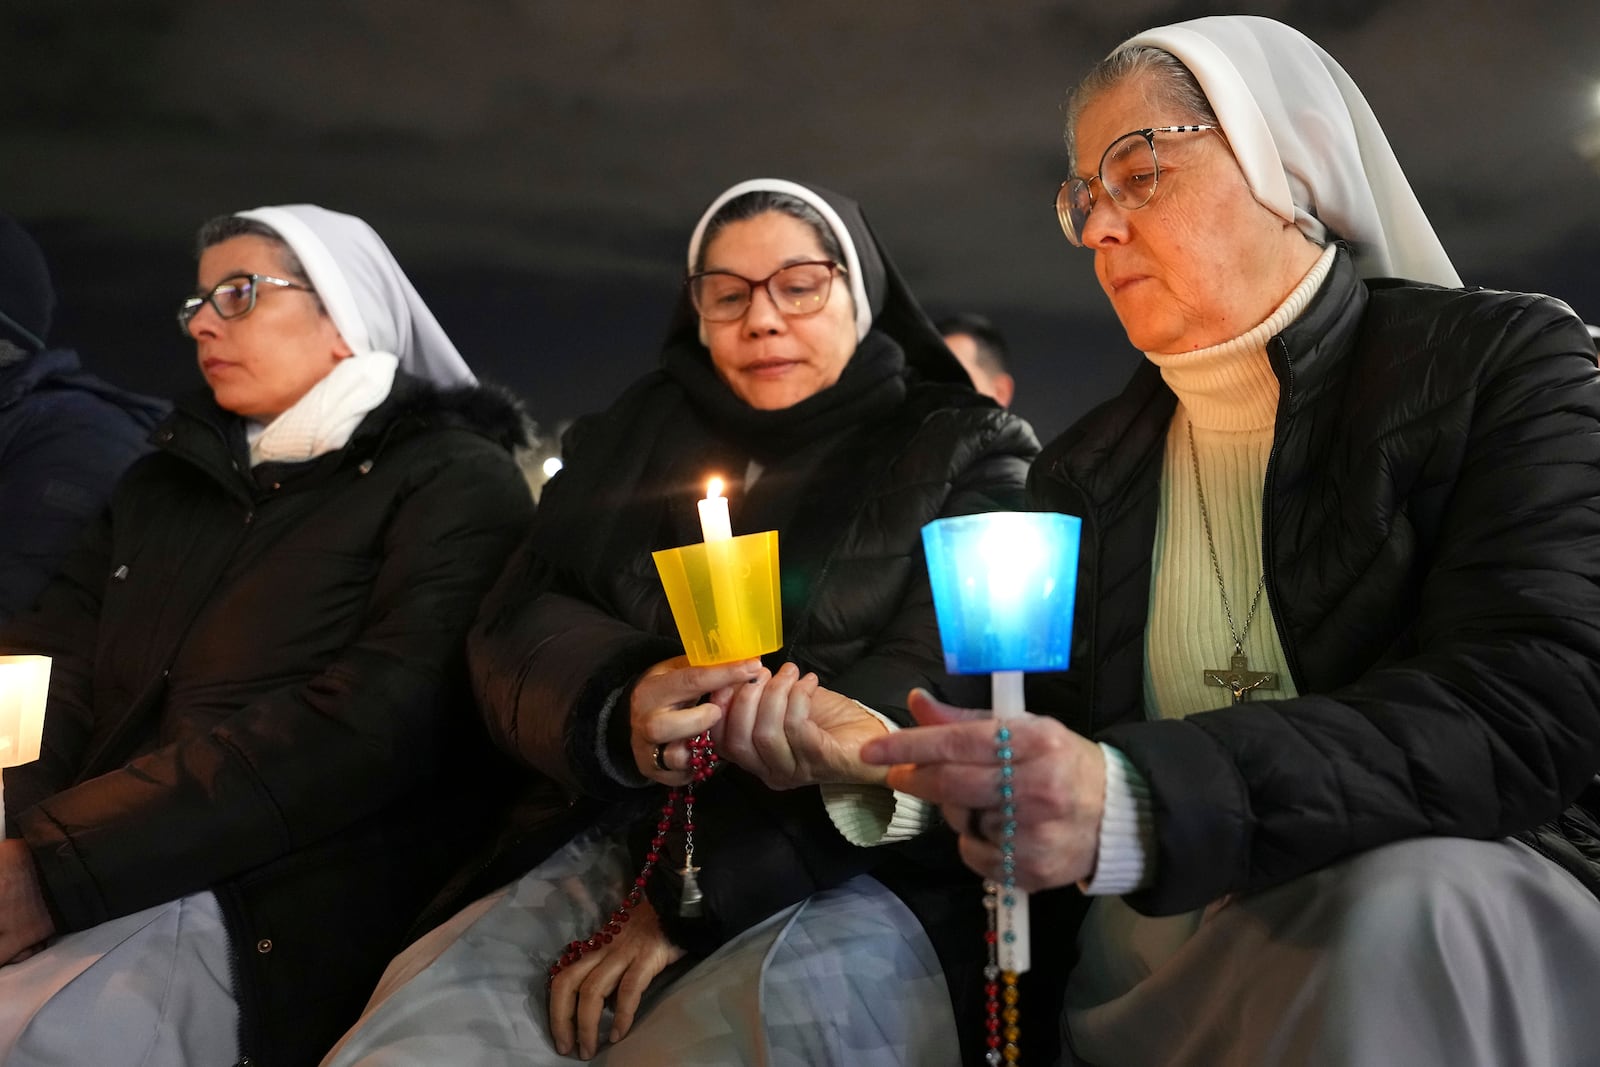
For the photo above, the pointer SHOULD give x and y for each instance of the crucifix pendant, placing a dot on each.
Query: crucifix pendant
(1239, 678)
(690, 905)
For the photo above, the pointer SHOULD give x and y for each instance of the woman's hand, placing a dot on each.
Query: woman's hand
(1058, 782)
(665, 709)
(624, 969)
(25, 921)
(790, 732)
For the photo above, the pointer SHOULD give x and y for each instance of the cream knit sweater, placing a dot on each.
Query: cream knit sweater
(1228, 398)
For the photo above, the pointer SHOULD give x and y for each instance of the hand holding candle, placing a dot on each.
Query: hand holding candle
(1003, 587)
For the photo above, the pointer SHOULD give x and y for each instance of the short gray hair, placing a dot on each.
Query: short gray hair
(226, 227)
(1169, 82)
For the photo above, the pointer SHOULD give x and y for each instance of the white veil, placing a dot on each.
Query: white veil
(1309, 145)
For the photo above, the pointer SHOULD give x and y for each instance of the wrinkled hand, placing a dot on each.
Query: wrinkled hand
(25, 921)
(624, 969)
(790, 732)
(665, 708)
(1059, 786)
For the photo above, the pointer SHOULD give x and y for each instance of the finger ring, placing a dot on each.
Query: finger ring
(660, 756)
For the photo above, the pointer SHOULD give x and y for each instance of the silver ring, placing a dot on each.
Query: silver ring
(660, 757)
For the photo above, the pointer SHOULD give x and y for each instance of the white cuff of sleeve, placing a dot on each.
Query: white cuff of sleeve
(868, 815)
(1127, 831)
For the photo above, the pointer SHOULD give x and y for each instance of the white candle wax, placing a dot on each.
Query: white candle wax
(714, 524)
(24, 689)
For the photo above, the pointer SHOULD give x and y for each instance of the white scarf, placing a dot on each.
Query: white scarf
(1307, 141)
(323, 420)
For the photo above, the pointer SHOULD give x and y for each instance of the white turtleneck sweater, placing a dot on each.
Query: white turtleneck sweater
(1228, 399)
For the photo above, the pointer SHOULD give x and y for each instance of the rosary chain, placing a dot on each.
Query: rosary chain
(1216, 567)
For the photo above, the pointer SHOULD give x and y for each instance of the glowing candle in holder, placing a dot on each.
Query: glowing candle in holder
(724, 591)
(24, 687)
(714, 524)
(1003, 587)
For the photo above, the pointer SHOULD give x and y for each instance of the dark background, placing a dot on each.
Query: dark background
(537, 165)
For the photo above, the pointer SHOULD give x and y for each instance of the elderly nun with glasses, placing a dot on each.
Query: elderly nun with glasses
(258, 704)
(1325, 759)
(822, 919)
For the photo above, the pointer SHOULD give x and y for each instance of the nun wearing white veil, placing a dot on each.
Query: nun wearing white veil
(258, 729)
(1325, 759)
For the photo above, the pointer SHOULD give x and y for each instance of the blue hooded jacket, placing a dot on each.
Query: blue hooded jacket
(66, 436)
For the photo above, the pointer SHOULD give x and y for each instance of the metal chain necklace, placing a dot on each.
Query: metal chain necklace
(1237, 678)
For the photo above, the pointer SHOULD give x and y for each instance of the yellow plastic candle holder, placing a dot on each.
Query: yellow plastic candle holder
(725, 597)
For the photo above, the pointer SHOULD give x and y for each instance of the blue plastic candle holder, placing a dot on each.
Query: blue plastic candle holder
(1003, 589)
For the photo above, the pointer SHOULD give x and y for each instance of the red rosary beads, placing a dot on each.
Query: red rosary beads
(702, 762)
(1002, 1009)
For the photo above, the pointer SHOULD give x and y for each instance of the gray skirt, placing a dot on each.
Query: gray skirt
(846, 977)
(1437, 952)
(151, 988)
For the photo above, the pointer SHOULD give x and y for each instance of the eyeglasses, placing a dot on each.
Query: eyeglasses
(798, 289)
(1128, 171)
(232, 298)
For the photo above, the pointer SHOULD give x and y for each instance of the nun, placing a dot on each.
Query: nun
(1325, 759)
(259, 730)
(822, 919)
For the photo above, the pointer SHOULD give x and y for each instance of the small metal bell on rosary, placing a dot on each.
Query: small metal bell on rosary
(689, 904)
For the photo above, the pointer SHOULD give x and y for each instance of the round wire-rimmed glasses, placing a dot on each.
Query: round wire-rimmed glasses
(1128, 171)
(233, 297)
(795, 288)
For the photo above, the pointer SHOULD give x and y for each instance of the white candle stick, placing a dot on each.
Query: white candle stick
(24, 688)
(1012, 920)
(714, 524)
(717, 532)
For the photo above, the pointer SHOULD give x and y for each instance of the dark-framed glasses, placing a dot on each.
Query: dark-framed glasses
(233, 297)
(1128, 171)
(796, 289)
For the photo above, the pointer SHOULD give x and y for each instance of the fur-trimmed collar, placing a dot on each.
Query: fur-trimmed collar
(492, 411)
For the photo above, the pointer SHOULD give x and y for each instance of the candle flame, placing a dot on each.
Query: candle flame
(713, 488)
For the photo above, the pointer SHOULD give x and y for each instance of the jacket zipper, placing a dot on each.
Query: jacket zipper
(1285, 403)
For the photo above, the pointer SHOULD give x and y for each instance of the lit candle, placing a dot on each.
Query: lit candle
(24, 687)
(714, 525)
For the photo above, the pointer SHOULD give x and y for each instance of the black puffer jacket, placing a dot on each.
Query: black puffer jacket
(259, 689)
(552, 649)
(1431, 526)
